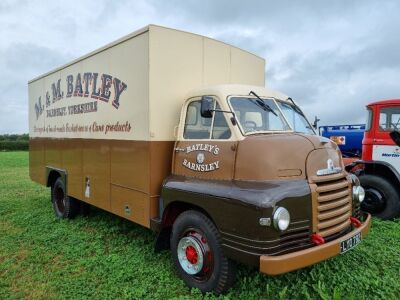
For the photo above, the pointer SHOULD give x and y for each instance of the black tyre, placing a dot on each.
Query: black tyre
(64, 206)
(381, 197)
(198, 256)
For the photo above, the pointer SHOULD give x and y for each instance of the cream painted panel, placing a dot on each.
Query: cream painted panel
(36, 122)
(176, 66)
(160, 65)
(217, 62)
(247, 68)
(112, 111)
(135, 66)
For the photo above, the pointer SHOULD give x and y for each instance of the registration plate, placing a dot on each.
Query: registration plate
(350, 243)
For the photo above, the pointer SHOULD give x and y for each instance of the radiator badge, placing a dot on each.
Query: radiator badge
(331, 169)
(202, 150)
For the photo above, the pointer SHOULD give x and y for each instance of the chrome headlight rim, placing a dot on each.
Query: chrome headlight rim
(354, 180)
(358, 193)
(281, 219)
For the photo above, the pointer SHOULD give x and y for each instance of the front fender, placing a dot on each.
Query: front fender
(237, 206)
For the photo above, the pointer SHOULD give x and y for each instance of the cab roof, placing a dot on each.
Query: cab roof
(224, 90)
(386, 102)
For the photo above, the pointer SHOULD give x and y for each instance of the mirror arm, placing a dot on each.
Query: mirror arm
(233, 118)
(315, 124)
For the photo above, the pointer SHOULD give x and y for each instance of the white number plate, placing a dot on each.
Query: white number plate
(350, 243)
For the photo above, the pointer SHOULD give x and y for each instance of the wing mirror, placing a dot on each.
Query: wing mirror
(206, 108)
(315, 124)
(395, 135)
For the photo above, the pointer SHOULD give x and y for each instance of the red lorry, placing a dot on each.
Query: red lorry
(379, 167)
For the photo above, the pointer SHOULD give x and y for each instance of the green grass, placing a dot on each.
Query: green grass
(105, 257)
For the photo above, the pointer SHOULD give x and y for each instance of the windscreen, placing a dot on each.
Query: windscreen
(295, 117)
(258, 115)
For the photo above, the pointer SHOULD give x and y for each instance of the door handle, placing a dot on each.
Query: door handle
(379, 140)
(178, 149)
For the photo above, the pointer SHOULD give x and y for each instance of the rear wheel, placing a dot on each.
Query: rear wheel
(197, 254)
(63, 205)
(381, 197)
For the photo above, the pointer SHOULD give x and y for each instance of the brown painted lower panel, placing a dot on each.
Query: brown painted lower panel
(119, 173)
(96, 168)
(72, 157)
(37, 171)
(130, 204)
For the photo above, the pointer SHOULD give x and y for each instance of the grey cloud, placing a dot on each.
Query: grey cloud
(29, 58)
(333, 57)
(20, 63)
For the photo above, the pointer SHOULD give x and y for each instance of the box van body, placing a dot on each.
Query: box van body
(109, 118)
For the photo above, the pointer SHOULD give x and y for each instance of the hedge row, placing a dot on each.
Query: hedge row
(14, 137)
(14, 145)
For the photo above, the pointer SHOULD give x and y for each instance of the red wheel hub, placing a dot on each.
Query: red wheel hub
(191, 255)
(195, 256)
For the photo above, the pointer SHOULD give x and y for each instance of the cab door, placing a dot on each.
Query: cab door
(206, 147)
(384, 148)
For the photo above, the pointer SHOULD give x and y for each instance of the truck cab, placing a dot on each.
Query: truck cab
(380, 165)
(235, 117)
(383, 118)
(247, 159)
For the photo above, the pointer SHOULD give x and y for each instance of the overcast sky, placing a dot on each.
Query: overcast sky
(332, 57)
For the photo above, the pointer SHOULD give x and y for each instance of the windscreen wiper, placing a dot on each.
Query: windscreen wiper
(298, 110)
(295, 107)
(260, 102)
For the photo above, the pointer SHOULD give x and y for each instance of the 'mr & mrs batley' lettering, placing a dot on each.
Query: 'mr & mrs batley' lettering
(86, 86)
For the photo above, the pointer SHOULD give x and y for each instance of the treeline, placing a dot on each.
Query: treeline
(14, 142)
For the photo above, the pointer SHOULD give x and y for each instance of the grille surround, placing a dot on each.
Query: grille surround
(331, 203)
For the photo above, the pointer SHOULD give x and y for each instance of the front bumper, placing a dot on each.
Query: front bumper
(274, 265)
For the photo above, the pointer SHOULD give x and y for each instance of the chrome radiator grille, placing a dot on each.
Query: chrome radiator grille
(332, 203)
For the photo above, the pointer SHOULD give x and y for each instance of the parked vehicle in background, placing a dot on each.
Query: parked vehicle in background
(348, 137)
(176, 132)
(379, 169)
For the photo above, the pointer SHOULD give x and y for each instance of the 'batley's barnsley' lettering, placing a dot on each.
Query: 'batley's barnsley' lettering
(83, 86)
(203, 147)
(200, 166)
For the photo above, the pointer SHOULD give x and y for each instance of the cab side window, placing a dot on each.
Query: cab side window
(383, 121)
(389, 119)
(196, 127)
(199, 128)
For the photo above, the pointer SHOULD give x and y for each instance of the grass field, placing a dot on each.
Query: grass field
(105, 257)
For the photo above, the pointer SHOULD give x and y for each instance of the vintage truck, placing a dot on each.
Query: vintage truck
(379, 167)
(176, 132)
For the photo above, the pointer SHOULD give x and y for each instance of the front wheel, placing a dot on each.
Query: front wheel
(197, 254)
(381, 197)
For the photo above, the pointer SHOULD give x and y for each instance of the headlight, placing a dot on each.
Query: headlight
(358, 193)
(281, 219)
